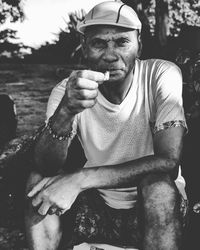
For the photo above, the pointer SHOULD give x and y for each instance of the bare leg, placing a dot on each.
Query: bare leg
(162, 224)
(42, 232)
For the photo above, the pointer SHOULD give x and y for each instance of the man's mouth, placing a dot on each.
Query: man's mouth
(111, 71)
(114, 71)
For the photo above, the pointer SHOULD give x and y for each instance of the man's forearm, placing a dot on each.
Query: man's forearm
(51, 153)
(125, 174)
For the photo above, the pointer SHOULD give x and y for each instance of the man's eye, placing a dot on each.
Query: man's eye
(98, 44)
(122, 42)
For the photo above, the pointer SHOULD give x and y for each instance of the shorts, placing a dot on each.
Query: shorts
(91, 220)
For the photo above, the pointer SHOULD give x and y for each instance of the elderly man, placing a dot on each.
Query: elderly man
(129, 118)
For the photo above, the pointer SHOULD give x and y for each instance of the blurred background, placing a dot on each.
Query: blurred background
(39, 46)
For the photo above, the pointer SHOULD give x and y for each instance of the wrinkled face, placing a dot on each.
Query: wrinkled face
(111, 48)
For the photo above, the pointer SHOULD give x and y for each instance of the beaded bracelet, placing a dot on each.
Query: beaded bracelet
(54, 135)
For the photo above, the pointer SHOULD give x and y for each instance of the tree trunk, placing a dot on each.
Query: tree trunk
(161, 28)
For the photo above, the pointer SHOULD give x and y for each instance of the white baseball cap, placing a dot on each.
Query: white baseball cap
(111, 13)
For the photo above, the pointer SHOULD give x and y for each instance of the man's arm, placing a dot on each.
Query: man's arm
(62, 190)
(167, 147)
(51, 153)
(80, 93)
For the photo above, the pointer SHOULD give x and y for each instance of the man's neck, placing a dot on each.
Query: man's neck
(115, 92)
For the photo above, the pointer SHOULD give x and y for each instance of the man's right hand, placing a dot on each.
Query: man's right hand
(56, 193)
(82, 90)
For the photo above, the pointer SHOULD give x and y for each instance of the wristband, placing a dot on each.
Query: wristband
(68, 135)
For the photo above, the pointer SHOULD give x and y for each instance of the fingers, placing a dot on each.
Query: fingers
(196, 208)
(83, 83)
(56, 210)
(85, 94)
(37, 200)
(84, 104)
(37, 187)
(89, 74)
(44, 206)
(59, 212)
(52, 210)
(43, 209)
(82, 89)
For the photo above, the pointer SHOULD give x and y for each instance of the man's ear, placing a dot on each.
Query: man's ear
(139, 46)
(83, 46)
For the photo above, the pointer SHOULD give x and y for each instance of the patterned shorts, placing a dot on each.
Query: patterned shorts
(91, 220)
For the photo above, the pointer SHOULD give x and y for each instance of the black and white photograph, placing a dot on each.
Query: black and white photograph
(99, 125)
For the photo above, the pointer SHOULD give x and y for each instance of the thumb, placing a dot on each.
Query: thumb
(106, 77)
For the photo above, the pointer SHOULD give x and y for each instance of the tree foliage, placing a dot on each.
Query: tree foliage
(183, 12)
(67, 47)
(12, 11)
(179, 11)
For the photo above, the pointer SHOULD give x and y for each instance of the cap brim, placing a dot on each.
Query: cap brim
(82, 26)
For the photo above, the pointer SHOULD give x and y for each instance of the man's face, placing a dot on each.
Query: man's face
(113, 49)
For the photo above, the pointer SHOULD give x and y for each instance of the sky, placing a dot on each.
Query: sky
(44, 19)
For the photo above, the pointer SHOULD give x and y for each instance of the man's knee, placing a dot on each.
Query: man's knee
(31, 213)
(160, 196)
(32, 217)
(33, 178)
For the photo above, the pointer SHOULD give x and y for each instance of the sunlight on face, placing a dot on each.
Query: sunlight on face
(113, 49)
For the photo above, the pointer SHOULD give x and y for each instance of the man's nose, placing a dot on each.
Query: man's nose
(110, 54)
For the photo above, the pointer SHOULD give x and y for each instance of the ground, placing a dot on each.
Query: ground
(29, 86)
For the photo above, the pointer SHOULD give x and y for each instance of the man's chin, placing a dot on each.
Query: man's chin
(116, 75)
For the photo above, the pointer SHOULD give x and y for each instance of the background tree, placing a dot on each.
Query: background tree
(12, 11)
(165, 19)
(65, 49)
(183, 12)
(161, 24)
(179, 12)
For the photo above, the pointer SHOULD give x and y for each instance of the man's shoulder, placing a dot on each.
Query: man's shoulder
(158, 73)
(156, 68)
(156, 64)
